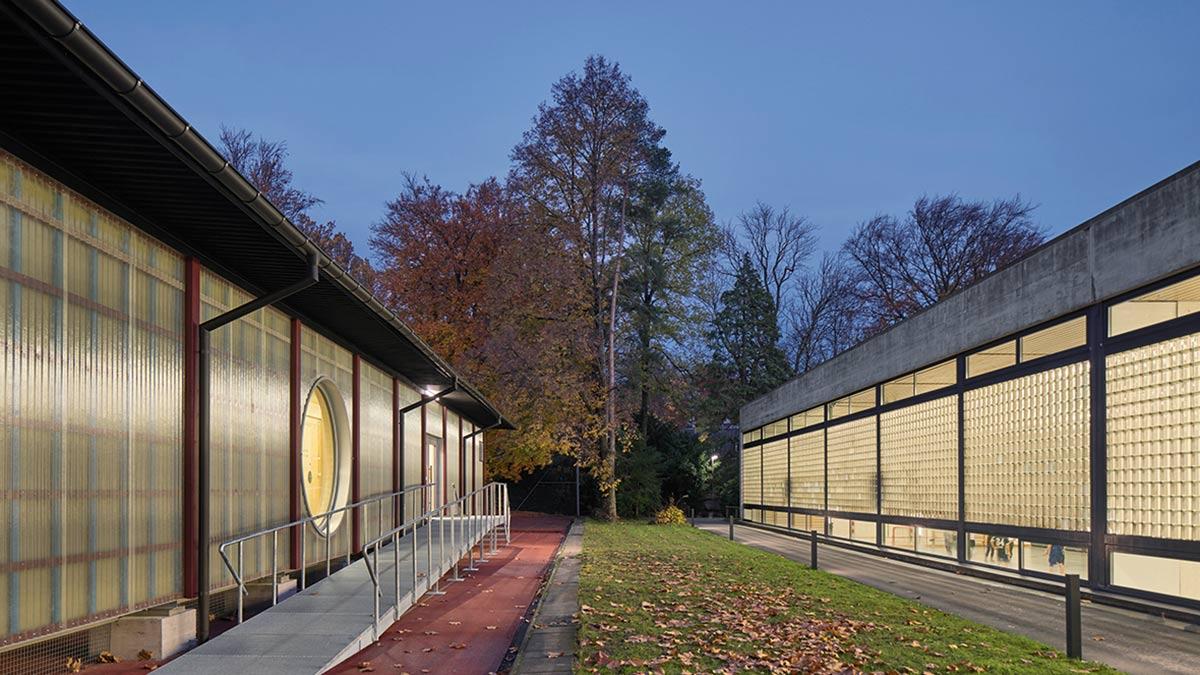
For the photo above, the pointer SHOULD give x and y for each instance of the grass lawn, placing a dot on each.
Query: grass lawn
(672, 598)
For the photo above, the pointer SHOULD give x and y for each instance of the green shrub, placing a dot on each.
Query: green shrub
(670, 515)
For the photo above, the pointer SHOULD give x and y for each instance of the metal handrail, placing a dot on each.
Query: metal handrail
(303, 525)
(496, 511)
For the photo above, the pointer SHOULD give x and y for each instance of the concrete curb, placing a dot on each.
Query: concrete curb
(550, 643)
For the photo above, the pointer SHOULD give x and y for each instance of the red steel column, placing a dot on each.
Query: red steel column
(191, 368)
(445, 459)
(296, 427)
(355, 446)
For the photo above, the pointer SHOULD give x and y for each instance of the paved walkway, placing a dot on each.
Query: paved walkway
(551, 643)
(1130, 641)
(329, 621)
(470, 629)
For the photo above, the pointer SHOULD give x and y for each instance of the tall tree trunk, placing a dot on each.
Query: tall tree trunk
(610, 450)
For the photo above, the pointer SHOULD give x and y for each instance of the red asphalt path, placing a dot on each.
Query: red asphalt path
(470, 628)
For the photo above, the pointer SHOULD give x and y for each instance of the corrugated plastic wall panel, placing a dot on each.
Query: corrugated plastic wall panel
(90, 414)
(375, 442)
(249, 442)
(321, 357)
(411, 451)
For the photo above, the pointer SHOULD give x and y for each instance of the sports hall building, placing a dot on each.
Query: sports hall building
(140, 424)
(1044, 421)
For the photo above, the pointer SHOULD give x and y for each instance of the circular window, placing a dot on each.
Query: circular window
(324, 459)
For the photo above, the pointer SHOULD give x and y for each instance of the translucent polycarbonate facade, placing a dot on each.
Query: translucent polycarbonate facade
(452, 448)
(249, 439)
(375, 453)
(1026, 448)
(808, 470)
(322, 358)
(411, 449)
(775, 473)
(1153, 403)
(90, 414)
(852, 466)
(918, 448)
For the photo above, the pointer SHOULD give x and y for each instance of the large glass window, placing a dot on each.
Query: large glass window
(856, 402)
(1054, 558)
(993, 358)
(937, 542)
(751, 475)
(992, 549)
(926, 380)
(1056, 338)
(1169, 576)
(919, 460)
(1178, 299)
(808, 418)
(1153, 433)
(1026, 447)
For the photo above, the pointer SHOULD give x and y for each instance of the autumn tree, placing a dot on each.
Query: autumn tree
(942, 245)
(491, 291)
(576, 168)
(264, 163)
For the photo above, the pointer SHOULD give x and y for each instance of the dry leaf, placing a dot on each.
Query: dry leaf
(107, 657)
(145, 655)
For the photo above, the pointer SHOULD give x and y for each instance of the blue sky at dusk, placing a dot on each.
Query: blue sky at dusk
(838, 110)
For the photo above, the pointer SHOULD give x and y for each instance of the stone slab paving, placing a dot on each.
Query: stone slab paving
(551, 643)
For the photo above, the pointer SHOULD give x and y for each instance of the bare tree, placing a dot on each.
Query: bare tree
(942, 245)
(264, 163)
(779, 244)
(822, 322)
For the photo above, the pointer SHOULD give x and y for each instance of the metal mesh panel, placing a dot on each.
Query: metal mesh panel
(1026, 444)
(808, 470)
(1154, 440)
(53, 655)
(852, 466)
(90, 424)
(375, 443)
(250, 440)
(775, 476)
(919, 460)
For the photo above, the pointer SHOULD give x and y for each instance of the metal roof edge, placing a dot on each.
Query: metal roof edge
(57, 22)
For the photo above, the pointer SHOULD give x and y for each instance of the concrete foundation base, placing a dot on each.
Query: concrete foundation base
(258, 593)
(161, 631)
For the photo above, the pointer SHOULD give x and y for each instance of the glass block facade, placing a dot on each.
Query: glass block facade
(986, 457)
(775, 473)
(1153, 405)
(918, 448)
(808, 470)
(852, 466)
(1025, 450)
